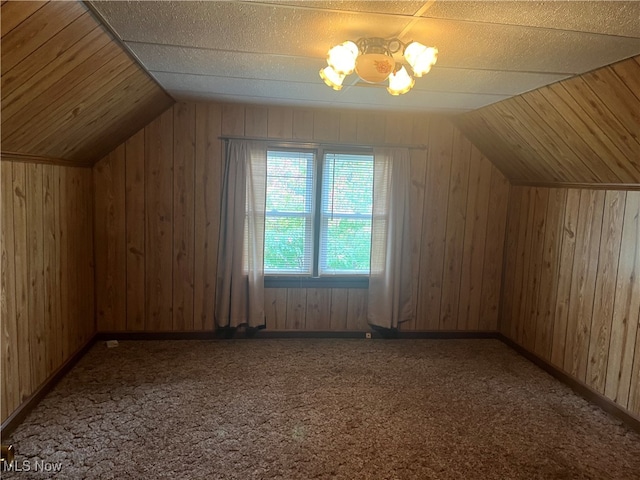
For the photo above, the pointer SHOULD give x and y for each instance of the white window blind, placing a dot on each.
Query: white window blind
(346, 208)
(289, 213)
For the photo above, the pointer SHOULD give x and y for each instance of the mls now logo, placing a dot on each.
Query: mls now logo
(31, 466)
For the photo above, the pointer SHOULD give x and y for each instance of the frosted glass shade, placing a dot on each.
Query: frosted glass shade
(420, 57)
(400, 82)
(342, 58)
(332, 78)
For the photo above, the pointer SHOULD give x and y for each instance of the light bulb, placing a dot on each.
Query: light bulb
(342, 58)
(400, 82)
(420, 57)
(332, 78)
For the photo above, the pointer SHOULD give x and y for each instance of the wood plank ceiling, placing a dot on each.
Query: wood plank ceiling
(584, 130)
(70, 93)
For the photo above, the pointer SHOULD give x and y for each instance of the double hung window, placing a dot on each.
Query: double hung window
(318, 216)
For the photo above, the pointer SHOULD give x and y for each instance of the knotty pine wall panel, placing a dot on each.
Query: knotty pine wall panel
(158, 208)
(581, 288)
(47, 273)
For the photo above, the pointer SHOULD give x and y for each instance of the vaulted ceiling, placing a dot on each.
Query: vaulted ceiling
(585, 130)
(549, 91)
(70, 93)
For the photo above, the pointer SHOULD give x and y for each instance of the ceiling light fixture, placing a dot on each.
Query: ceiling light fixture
(374, 62)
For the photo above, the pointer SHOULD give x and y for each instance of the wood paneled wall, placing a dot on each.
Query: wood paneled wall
(584, 130)
(158, 208)
(69, 90)
(47, 273)
(572, 284)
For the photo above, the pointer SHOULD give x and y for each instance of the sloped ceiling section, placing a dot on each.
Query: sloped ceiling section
(70, 93)
(585, 130)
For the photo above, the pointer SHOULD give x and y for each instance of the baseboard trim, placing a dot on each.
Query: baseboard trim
(576, 385)
(258, 334)
(104, 336)
(20, 413)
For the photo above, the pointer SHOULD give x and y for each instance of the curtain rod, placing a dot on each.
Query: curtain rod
(326, 144)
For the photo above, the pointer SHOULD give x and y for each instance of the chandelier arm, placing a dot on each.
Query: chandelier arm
(365, 43)
(399, 47)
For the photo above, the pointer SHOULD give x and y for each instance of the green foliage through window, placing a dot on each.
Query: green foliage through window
(326, 205)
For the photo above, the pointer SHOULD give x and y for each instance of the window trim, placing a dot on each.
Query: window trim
(315, 280)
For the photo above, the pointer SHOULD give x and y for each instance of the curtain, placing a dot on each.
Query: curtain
(390, 291)
(240, 283)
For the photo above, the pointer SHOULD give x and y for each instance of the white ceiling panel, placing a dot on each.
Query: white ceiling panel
(484, 81)
(507, 47)
(268, 89)
(168, 59)
(609, 18)
(271, 51)
(248, 99)
(243, 27)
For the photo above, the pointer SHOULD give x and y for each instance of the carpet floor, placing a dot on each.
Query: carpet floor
(318, 409)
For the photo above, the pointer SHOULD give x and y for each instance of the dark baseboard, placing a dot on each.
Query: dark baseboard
(374, 334)
(208, 335)
(447, 335)
(18, 416)
(577, 386)
(257, 334)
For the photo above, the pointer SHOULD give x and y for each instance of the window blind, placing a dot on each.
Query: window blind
(289, 212)
(346, 209)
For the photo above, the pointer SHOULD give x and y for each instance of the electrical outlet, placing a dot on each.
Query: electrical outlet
(367, 335)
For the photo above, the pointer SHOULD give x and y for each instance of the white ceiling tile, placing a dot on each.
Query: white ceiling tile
(243, 27)
(199, 96)
(271, 52)
(303, 93)
(606, 17)
(164, 58)
(506, 47)
(483, 81)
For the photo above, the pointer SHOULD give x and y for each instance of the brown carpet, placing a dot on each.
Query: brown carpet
(320, 409)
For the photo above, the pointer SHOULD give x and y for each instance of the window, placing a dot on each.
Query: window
(289, 213)
(318, 214)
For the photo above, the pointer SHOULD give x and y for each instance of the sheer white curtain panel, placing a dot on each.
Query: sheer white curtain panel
(390, 291)
(240, 278)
